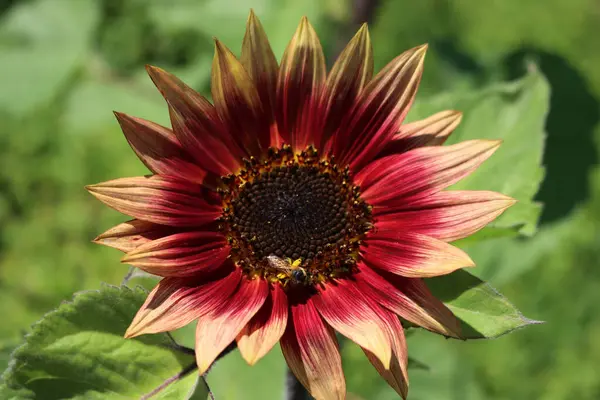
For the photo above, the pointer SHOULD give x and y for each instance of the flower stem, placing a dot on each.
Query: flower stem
(293, 388)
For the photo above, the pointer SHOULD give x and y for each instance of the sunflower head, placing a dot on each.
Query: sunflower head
(298, 204)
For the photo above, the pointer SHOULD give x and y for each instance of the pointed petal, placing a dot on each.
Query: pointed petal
(396, 375)
(380, 110)
(412, 255)
(431, 131)
(216, 330)
(300, 83)
(266, 328)
(159, 149)
(175, 302)
(447, 216)
(197, 125)
(237, 102)
(185, 254)
(421, 172)
(410, 299)
(131, 234)
(355, 316)
(260, 62)
(349, 75)
(311, 351)
(158, 199)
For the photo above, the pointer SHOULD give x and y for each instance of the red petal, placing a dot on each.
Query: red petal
(197, 125)
(380, 110)
(300, 84)
(217, 329)
(446, 216)
(175, 302)
(349, 75)
(421, 172)
(311, 351)
(159, 199)
(260, 62)
(397, 372)
(238, 104)
(180, 255)
(266, 328)
(355, 316)
(431, 131)
(131, 234)
(159, 149)
(410, 299)
(412, 255)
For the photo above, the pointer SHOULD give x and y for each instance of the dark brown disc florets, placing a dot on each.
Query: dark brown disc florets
(297, 209)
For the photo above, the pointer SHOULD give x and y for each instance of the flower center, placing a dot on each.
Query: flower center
(294, 218)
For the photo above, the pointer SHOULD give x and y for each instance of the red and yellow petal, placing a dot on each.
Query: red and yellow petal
(355, 316)
(421, 172)
(396, 374)
(218, 328)
(266, 327)
(301, 80)
(132, 234)
(159, 149)
(408, 298)
(447, 216)
(198, 126)
(159, 199)
(185, 254)
(175, 302)
(238, 103)
(349, 75)
(312, 353)
(379, 111)
(412, 255)
(431, 131)
(260, 63)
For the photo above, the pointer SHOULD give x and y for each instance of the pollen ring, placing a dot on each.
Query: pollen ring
(294, 207)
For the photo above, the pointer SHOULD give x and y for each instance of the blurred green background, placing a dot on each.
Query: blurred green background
(66, 64)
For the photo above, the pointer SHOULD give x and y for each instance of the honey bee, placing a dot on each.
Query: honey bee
(292, 269)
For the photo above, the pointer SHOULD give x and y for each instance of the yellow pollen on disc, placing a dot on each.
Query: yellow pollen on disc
(294, 218)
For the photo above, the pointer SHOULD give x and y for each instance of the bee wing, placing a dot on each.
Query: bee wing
(279, 264)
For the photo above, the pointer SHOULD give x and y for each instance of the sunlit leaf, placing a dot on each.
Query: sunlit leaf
(78, 351)
(483, 311)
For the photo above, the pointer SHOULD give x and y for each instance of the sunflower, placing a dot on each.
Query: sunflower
(296, 205)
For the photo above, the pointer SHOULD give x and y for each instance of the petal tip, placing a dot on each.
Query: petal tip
(152, 70)
(455, 114)
(130, 332)
(250, 360)
(92, 188)
(119, 115)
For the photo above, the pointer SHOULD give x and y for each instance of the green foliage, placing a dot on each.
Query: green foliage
(514, 113)
(78, 351)
(40, 44)
(484, 312)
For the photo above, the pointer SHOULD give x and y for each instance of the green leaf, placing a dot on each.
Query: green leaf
(42, 43)
(483, 311)
(514, 112)
(200, 391)
(78, 352)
